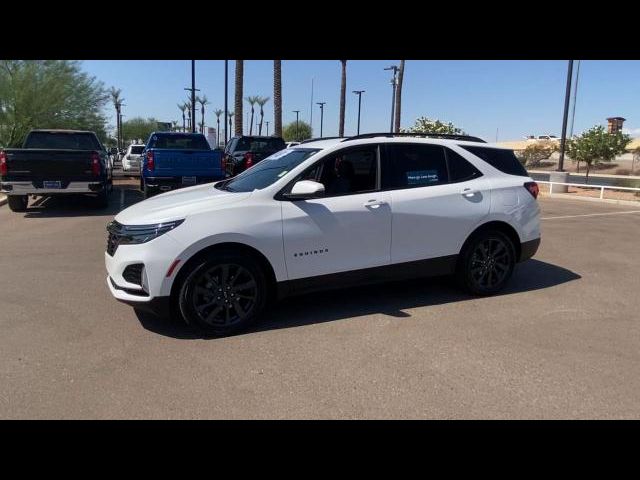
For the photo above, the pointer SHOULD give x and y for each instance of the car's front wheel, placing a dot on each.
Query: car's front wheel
(18, 203)
(486, 263)
(223, 293)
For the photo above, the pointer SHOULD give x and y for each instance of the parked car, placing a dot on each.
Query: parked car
(324, 215)
(174, 160)
(245, 151)
(131, 159)
(55, 162)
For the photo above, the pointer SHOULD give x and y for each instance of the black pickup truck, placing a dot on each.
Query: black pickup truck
(55, 162)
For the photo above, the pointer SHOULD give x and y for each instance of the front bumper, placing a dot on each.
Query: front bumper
(159, 306)
(27, 188)
(157, 256)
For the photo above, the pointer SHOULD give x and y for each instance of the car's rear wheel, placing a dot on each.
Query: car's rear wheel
(486, 263)
(223, 293)
(18, 203)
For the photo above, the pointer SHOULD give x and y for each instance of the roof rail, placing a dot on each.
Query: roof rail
(445, 136)
(320, 138)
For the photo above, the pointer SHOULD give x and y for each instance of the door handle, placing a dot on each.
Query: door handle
(468, 192)
(374, 203)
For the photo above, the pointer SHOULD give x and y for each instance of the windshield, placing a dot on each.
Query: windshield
(62, 140)
(187, 141)
(260, 145)
(137, 150)
(267, 171)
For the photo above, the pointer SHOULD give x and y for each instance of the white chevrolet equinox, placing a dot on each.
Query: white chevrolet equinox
(326, 214)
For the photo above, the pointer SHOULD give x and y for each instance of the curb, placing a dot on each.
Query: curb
(3, 199)
(571, 196)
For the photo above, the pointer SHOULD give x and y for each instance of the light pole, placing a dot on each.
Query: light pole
(193, 96)
(322, 104)
(393, 92)
(267, 122)
(359, 93)
(564, 118)
(226, 97)
(297, 112)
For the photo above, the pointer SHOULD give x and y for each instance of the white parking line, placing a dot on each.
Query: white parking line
(122, 199)
(590, 215)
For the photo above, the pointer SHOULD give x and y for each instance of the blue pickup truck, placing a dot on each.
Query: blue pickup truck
(174, 160)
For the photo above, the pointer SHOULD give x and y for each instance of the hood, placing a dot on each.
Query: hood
(178, 204)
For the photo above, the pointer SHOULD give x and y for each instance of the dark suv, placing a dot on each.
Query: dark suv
(245, 151)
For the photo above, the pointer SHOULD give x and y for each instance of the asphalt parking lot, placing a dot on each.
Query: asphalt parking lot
(563, 341)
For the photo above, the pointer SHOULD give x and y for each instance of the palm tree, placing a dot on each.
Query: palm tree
(117, 103)
(343, 94)
(202, 101)
(399, 96)
(252, 101)
(230, 115)
(238, 96)
(261, 101)
(175, 125)
(277, 98)
(217, 113)
(187, 104)
(182, 107)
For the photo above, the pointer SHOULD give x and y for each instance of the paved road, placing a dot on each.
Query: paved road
(562, 342)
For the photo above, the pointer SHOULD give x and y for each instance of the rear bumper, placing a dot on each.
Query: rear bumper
(27, 188)
(529, 249)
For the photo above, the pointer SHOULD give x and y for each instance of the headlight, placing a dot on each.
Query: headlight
(134, 234)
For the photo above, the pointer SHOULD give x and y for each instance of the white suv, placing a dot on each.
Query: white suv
(131, 159)
(321, 215)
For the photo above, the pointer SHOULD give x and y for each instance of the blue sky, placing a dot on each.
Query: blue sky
(516, 98)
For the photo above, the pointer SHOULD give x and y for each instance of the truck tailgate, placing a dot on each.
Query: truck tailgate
(187, 163)
(39, 164)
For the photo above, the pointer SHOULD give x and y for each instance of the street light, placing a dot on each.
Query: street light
(193, 95)
(564, 118)
(394, 83)
(226, 97)
(297, 112)
(322, 104)
(359, 93)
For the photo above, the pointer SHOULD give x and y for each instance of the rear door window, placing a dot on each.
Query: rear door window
(414, 165)
(460, 170)
(503, 160)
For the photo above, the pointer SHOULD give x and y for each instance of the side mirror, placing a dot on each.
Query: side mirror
(305, 189)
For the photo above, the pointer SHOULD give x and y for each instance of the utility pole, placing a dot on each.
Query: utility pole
(311, 109)
(297, 112)
(322, 104)
(267, 122)
(226, 98)
(359, 93)
(564, 118)
(575, 94)
(193, 90)
(394, 83)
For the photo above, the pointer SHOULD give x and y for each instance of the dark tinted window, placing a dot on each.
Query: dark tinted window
(179, 142)
(415, 165)
(460, 170)
(503, 160)
(260, 144)
(137, 150)
(62, 140)
(266, 172)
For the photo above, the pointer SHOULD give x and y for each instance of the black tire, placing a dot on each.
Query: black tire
(102, 200)
(146, 191)
(223, 293)
(486, 263)
(18, 203)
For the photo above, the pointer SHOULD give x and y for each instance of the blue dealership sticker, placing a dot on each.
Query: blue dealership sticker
(422, 177)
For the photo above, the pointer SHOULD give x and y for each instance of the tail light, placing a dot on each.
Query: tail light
(150, 162)
(95, 164)
(248, 159)
(533, 188)
(4, 168)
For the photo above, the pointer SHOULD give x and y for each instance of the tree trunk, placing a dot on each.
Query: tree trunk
(277, 98)
(586, 180)
(399, 97)
(238, 96)
(343, 93)
(251, 124)
(261, 120)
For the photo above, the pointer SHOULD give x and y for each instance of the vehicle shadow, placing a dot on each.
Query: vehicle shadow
(390, 299)
(121, 197)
